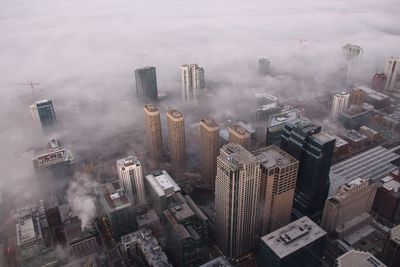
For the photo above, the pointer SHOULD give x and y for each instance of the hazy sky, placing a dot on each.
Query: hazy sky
(88, 49)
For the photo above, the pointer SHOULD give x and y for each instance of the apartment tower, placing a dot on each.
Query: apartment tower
(209, 145)
(153, 131)
(239, 135)
(176, 139)
(192, 76)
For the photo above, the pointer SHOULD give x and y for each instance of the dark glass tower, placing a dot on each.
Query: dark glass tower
(305, 141)
(146, 84)
(43, 111)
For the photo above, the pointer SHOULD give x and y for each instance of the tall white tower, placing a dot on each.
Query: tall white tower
(340, 103)
(131, 178)
(392, 73)
(192, 76)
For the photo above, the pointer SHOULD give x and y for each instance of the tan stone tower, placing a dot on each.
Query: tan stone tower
(209, 145)
(239, 135)
(176, 139)
(153, 131)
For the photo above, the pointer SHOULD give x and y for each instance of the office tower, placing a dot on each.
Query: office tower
(192, 76)
(160, 188)
(350, 200)
(340, 103)
(298, 244)
(131, 179)
(358, 258)
(392, 73)
(209, 147)
(264, 66)
(237, 187)
(357, 97)
(43, 112)
(305, 141)
(278, 184)
(186, 231)
(142, 244)
(276, 125)
(378, 81)
(153, 131)
(116, 207)
(176, 139)
(387, 199)
(146, 84)
(391, 251)
(239, 135)
(264, 106)
(352, 51)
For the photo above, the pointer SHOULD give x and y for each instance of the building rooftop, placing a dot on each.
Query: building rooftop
(355, 136)
(74, 232)
(128, 161)
(323, 137)
(146, 68)
(305, 126)
(374, 94)
(236, 155)
(239, 130)
(114, 196)
(284, 117)
(221, 261)
(210, 122)
(151, 108)
(342, 95)
(348, 188)
(340, 142)
(374, 164)
(178, 228)
(28, 229)
(395, 234)
(293, 237)
(174, 114)
(147, 218)
(356, 258)
(390, 184)
(273, 156)
(52, 158)
(162, 183)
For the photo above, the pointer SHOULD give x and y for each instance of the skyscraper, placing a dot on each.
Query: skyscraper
(239, 135)
(392, 73)
(340, 103)
(209, 141)
(278, 184)
(131, 179)
(43, 112)
(391, 251)
(313, 148)
(146, 84)
(378, 81)
(351, 200)
(176, 139)
(352, 51)
(153, 131)
(263, 66)
(237, 187)
(357, 97)
(192, 76)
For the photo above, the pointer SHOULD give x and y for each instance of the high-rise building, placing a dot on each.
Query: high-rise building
(153, 131)
(298, 244)
(131, 179)
(278, 184)
(277, 124)
(209, 145)
(192, 76)
(146, 84)
(340, 103)
(392, 73)
(237, 187)
(357, 97)
(264, 66)
(391, 251)
(351, 200)
(358, 258)
(43, 112)
(239, 135)
(378, 81)
(176, 139)
(387, 199)
(160, 188)
(352, 51)
(305, 141)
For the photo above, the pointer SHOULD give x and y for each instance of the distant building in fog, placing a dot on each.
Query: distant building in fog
(55, 165)
(264, 66)
(239, 135)
(340, 103)
(43, 112)
(276, 125)
(192, 78)
(379, 81)
(146, 84)
(357, 97)
(176, 139)
(352, 51)
(131, 179)
(209, 147)
(153, 131)
(392, 73)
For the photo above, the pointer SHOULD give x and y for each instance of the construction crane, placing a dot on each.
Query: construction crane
(30, 83)
(301, 40)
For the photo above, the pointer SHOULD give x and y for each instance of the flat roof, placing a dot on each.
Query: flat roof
(115, 197)
(274, 156)
(127, 162)
(340, 141)
(357, 258)
(236, 155)
(162, 183)
(74, 233)
(395, 233)
(151, 108)
(175, 113)
(283, 117)
(293, 237)
(239, 130)
(209, 122)
(374, 94)
(355, 136)
(52, 158)
(323, 137)
(375, 163)
(146, 68)
(26, 230)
